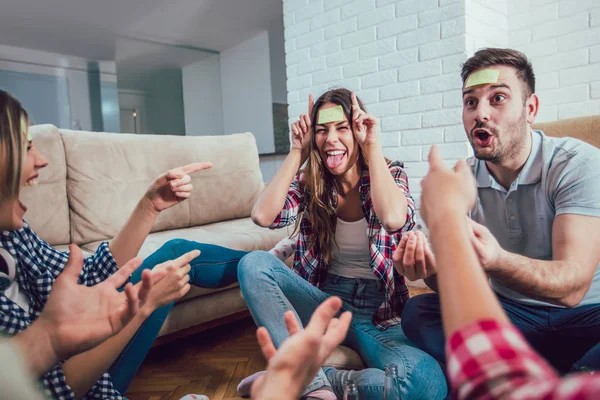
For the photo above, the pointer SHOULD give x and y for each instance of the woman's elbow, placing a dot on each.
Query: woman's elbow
(259, 218)
(393, 223)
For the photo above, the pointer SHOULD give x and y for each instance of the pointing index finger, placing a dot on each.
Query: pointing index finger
(190, 168)
(186, 258)
(355, 101)
(435, 158)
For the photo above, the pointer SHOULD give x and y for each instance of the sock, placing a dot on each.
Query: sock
(322, 393)
(245, 385)
(284, 249)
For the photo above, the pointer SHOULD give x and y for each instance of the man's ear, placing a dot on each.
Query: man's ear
(532, 106)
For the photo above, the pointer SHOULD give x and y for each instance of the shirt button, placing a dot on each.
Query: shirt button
(510, 199)
(512, 217)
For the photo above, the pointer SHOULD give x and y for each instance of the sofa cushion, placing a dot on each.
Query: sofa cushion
(240, 234)
(48, 208)
(108, 174)
(203, 309)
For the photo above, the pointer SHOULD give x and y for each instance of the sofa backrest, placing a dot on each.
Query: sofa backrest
(583, 128)
(47, 203)
(104, 175)
(108, 174)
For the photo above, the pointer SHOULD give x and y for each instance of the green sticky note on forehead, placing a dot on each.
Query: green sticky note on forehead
(483, 77)
(332, 114)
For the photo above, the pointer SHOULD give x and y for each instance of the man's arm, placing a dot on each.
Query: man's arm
(565, 279)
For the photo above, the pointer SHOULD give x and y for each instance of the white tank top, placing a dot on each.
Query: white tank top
(351, 256)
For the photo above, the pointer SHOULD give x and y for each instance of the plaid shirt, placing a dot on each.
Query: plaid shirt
(310, 266)
(38, 265)
(492, 360)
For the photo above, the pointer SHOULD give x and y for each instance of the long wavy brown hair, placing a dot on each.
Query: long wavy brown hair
(14, 122)
(321, 187)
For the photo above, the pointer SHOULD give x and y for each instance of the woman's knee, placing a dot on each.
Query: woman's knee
(425, 376)
(174, 246)
(167, 252)
(170, 250)
(253, 264)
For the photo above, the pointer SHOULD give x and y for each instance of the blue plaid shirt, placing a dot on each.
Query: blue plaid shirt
(38, 265)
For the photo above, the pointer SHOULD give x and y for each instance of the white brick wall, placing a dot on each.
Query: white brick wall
(403, 58)
(562, 39)
(486, 24)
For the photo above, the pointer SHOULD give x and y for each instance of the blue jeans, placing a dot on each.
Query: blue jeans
(270, 288)
(569, 338)
(215, 267)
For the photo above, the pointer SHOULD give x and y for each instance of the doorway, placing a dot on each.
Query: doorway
(129, 120)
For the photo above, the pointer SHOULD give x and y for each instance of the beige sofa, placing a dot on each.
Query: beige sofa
(95, 179)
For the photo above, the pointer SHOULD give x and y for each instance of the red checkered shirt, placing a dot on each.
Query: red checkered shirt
(492, 360)
(309, 264)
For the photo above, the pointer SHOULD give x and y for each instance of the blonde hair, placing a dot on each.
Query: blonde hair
(320, 184)
(14, 122)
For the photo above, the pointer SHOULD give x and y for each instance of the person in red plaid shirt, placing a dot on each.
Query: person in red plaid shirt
(350, 206)
(487, 357)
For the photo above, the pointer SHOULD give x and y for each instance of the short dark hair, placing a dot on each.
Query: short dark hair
(489, 57)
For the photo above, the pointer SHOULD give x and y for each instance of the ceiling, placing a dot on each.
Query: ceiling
(90, 28)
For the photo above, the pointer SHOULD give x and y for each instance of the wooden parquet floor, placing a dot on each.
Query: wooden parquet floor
(212, 363)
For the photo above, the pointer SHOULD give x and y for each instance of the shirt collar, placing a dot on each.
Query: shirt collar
(530, 174)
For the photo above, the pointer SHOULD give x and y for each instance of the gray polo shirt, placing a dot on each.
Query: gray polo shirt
(561, 176)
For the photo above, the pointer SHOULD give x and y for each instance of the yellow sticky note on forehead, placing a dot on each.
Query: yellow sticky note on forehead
(332, 114)
(483, 77)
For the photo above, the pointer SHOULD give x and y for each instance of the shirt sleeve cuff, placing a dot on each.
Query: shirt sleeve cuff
(55, 385)
(104, 257)
(487, 354)
(591, 212)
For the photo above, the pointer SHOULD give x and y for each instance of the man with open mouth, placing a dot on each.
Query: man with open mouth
(535, 225)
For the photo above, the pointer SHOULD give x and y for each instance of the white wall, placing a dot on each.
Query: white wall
(246, 90)
(277, 56)
(202, 98)
(562, 39)
(481, 16)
